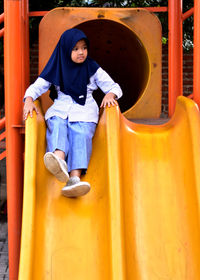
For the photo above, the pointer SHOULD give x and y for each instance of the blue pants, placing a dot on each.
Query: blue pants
(73, 138)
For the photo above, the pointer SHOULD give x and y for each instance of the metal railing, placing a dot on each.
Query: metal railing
(3, 120)
(13, 11)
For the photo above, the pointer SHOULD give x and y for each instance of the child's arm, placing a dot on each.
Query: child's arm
(29, 107)
(32, 93)
(111, 89)
(109, 99)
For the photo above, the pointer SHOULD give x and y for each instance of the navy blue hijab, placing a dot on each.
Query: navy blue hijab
(60, 70)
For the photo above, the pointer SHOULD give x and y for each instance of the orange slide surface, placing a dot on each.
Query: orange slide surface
(140, 220)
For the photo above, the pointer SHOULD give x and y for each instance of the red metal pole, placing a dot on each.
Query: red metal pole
(196, 59)
(187, 14)
(25, 46)
(14, 91)
(175, 83)
(38, 14)
(2, 122)
(1, 17)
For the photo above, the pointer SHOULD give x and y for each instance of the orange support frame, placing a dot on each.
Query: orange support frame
(175, 80)
(2, 122)
(196, 59)
(175, 54)
(16, 61)
(2, 29)
(2, 136)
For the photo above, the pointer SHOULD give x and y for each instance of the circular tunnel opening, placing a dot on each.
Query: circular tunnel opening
(120, 52)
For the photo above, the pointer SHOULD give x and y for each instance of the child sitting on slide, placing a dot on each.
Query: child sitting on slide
(72, 119)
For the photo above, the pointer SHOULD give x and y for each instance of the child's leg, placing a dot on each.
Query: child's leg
(57, 136)
(57, 146)
(80, 143)
(76, 172)
(60, 154)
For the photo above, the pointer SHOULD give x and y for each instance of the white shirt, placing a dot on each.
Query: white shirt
(65, 107)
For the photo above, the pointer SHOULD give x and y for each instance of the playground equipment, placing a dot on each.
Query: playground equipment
(138, 221)
(16, 61)
(138, 54)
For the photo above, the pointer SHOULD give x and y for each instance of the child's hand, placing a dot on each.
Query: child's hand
(29, 107)
(109, 99)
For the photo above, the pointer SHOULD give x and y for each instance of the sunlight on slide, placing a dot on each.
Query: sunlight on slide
(141, 218)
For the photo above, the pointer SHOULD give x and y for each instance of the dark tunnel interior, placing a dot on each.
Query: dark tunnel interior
(120, 52)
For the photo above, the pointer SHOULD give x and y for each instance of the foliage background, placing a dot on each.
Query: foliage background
(42, 5)
(45, 5)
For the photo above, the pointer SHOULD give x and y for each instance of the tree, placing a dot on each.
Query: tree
(36, 5)
(45, 5)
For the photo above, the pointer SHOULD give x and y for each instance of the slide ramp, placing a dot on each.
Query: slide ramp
(141, 219)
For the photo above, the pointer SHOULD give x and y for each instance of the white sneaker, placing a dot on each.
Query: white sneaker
(75, 187)
(56, 166)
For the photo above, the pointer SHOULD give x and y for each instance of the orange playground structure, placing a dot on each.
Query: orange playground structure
(141, 218)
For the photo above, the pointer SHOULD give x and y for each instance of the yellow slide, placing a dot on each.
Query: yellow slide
(141, 219)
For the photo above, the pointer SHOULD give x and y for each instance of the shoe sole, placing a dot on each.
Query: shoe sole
(51, 162)
(76, 190)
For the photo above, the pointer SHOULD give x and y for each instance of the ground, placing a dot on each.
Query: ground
(4, 271)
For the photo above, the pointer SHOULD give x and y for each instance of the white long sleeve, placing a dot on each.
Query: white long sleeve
(39, 87)
(65, 107)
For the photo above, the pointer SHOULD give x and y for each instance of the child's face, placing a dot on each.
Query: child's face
(79, 52)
